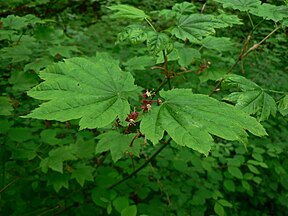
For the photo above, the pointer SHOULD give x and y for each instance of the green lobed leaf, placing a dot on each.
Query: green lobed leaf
(23, 81)
(283, 106)
(187, 55)
(78, 88)
(253, 99)
(242, 5)
(139, 63)
(56, 158)
(127, 11)
(218, 43)
(157, 42)
(17, 53)
(193, 27)
(184, 8)
(58, 180)
(118, 144)
(271, 12)
(228, 20)
(133, 33)
(191, 119)
(83, 173)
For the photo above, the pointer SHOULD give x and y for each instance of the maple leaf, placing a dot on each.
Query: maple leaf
(78, 88)
(190, 119)
(252, 99)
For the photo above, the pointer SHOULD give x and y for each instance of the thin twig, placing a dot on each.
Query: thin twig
(242, 55)
(141, 167)
(8, 185)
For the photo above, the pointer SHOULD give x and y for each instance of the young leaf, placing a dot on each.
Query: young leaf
(253, 99)
(133, 33)
(283, 106)
(242, 5)
(118, 144)
(190, 119)
(78, 88)
(193, 27)
(129, 12)
(271, 12)
(156, 42)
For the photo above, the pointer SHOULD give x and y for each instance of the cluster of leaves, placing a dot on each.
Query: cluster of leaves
(204, 163)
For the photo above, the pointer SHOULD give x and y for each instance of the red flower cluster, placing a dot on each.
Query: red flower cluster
(132, 117)
(146, 104)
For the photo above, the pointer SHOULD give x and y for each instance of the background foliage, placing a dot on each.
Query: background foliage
(52, 168)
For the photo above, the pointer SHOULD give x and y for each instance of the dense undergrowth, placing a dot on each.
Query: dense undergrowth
(147, 162)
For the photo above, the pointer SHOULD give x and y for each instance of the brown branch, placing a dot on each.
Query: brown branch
(242, 55)
(141, 167)
(8, 185)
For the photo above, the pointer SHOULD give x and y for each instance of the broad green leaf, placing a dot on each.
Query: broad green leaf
(78, 88)
(17, 53)
(121, 203)
(25, 151)
(218, 43)
(190, 119)
(5, 106)
(129, 211)
(82, 173)
(228, 20)
(133, 33)
(38, 64)
(212, 73)
(219, 210)
(253, 169)
(51, 136)
(58, 180)
(253, 99)
(118, 144)
(139, 63)
(184, 8)
(229, 185)
(20, 134)
(242, 5)
(225, 203)
(57, 157)
(193, 27)
(157, 42)
(271, 12)
(23, 81)
(283, 106)
(187, 55)
(129, 12)
(235, 171)
(65, 51)
(17, 23)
